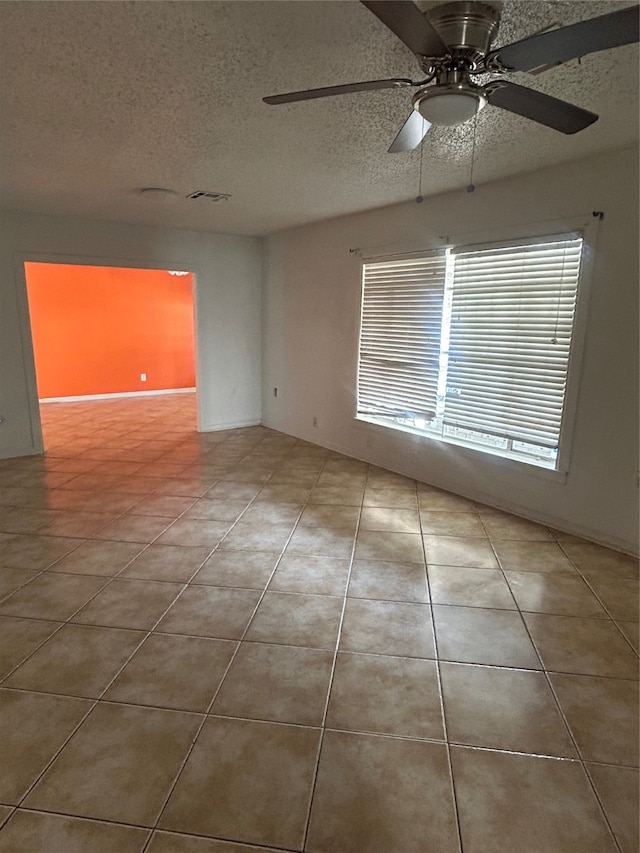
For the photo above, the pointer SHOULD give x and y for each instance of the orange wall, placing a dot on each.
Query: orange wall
(96, 329)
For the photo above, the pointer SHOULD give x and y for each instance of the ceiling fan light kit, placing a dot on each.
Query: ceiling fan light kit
(453, 43)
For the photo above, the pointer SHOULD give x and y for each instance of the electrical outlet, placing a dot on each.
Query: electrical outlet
(143, 377)
(315, 421)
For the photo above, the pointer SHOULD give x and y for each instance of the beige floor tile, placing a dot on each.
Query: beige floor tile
(330, 515)
(388, 479)
(389, 695)
(507, 709)
(470, 587)
(137, 485)
(193, 487)
(322, 542)
(339, 495)
(379, 794)
(246, 781)
(530, 804)
(390, 519)
(238, 568)
(210, 509)
(33, 552)
(430, 498)
(595, 561)
(74, 523)
(205, 611)
(617, 788)
(555, 594)
(167, 563)
(312, 575)
(169, 506)
(464, 551)
(279, 683)
(98, 558)
(134, 528)
(630, 631)
(621, 596)
(390, 581)
(532, 557)
(13, 579)
(272, 512)
(387, 628)
(284, 493)
(35, 832)
(77, 661)
(348, 478)
(297, 620)
(586, 646)
(383, 496)
(246, 536)
(112, 502)
(501, 525)
(34, 727)
(173, 842)
(127, 469)
(294, 477)
(438, 523)
(392, 547)
(129, 604)
(227, 490)
(603, 716)
(173, 672)
(118, 766)
(19, 638)
(194, 531)
(52, 596)
(477, 635)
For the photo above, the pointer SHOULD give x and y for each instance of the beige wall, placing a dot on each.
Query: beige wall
(310, 328)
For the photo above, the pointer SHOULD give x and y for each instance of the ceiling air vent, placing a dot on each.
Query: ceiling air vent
(211, 196)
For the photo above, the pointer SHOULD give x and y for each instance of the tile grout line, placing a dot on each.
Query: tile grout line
(564, 718)
(454, 796)
(323, 729)
(207, 713)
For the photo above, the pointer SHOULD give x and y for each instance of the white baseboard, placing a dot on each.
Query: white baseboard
(117, 395)
(229, 425)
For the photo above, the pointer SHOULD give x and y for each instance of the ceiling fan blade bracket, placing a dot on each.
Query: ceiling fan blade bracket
(406, 21)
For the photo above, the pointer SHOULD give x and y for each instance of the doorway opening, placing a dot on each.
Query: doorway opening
(102, 332)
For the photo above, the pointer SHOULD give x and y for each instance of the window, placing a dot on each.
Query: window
(471, 344)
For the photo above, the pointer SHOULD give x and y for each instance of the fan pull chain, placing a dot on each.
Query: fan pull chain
(420, 197)
(471, 186)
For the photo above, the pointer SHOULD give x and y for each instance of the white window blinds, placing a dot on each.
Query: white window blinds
(510, 337)
(400, 336)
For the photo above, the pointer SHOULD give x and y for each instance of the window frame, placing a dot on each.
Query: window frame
(587, 225)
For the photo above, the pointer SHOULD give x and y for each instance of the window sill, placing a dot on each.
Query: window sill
(521, 466)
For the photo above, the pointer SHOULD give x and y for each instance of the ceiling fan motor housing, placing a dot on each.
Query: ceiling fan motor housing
(468, 28)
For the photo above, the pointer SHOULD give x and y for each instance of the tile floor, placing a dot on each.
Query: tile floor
(238, 641)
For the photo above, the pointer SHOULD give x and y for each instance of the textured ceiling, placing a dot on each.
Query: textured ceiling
(99, 99)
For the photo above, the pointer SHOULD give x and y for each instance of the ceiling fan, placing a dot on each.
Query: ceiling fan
(452, 43)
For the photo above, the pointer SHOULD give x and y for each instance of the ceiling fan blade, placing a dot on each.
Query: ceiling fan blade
(554, 113)
(345, 89)
(557, 46)
(407, 22)
(411, 134)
